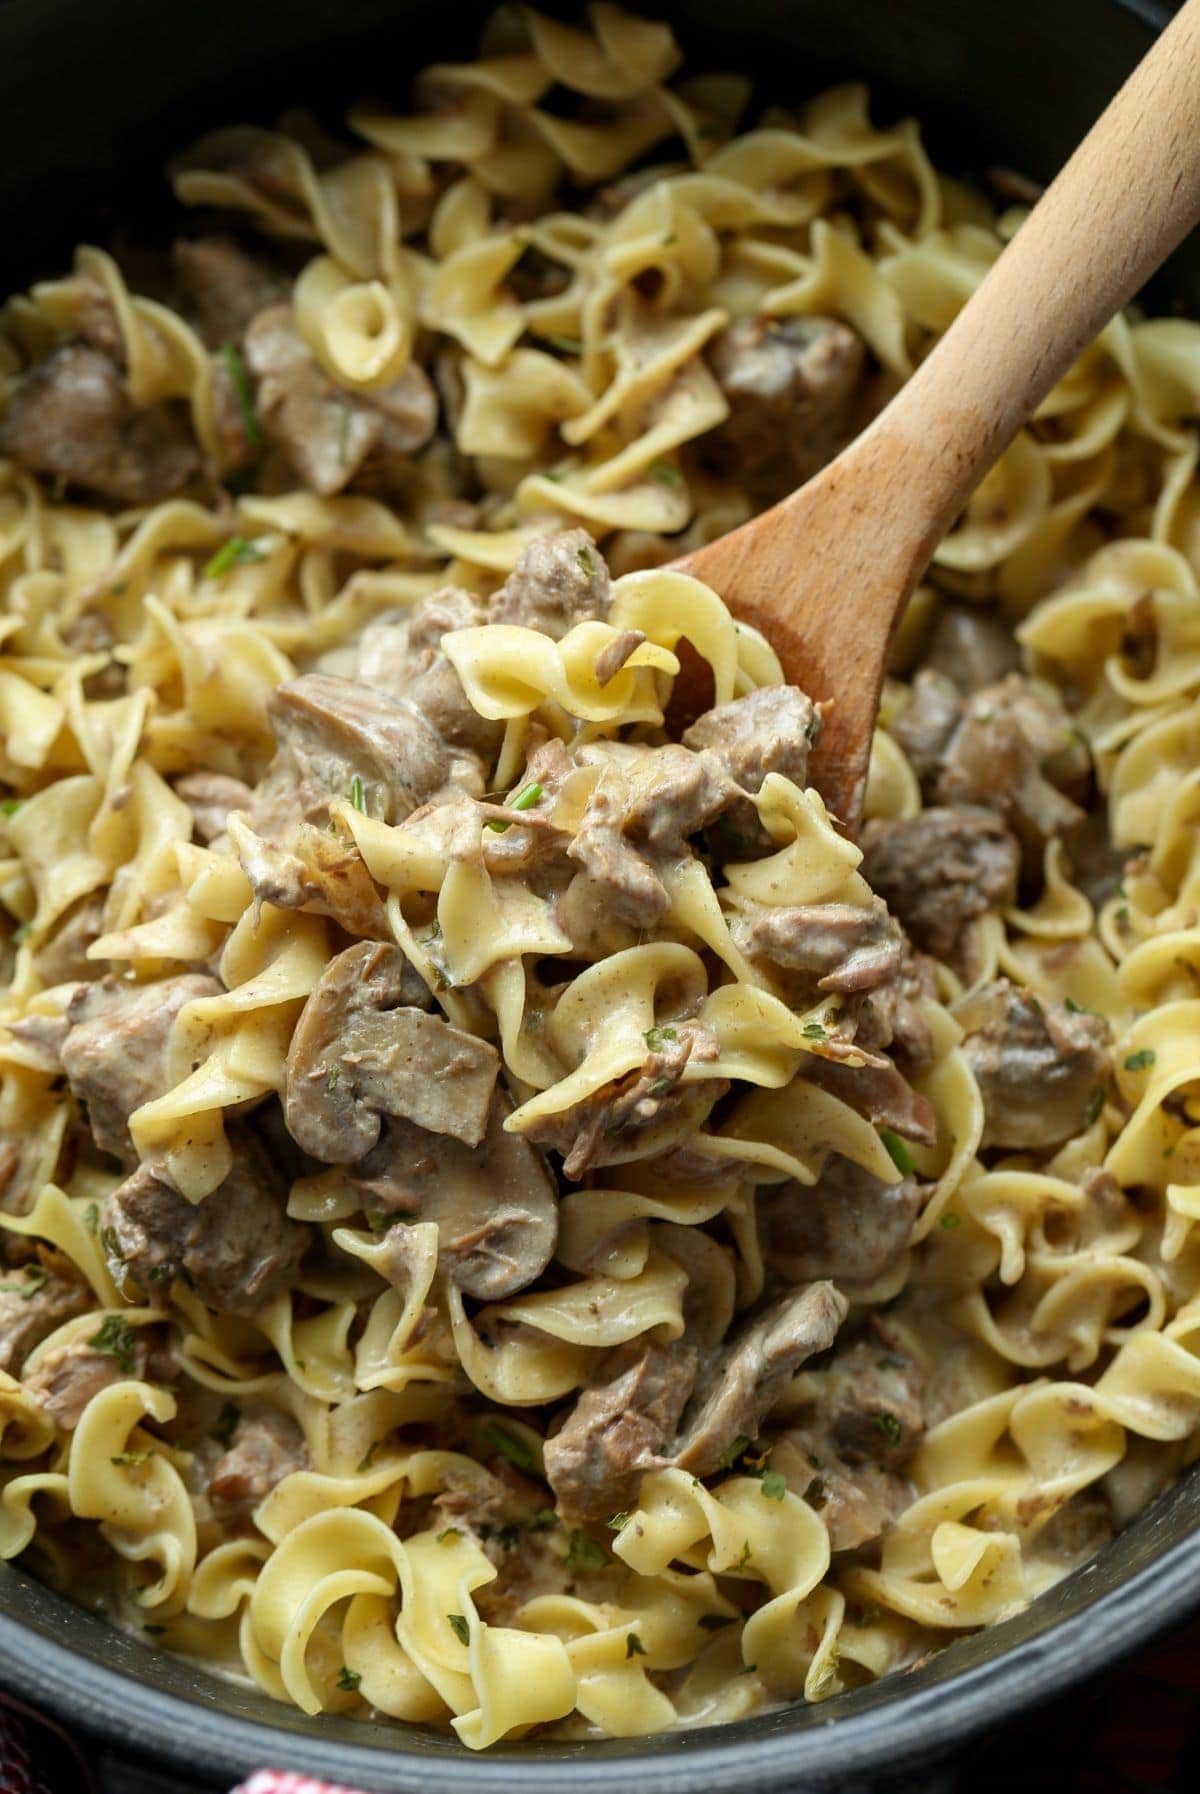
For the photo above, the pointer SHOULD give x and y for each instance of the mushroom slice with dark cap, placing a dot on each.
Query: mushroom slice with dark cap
(363, 1050)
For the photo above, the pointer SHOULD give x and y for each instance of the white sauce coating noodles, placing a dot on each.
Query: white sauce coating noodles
(502, 1227)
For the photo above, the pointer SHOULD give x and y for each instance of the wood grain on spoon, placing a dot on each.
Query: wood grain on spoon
(826, 574)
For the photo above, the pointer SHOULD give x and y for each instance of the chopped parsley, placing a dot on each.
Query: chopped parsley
(890, 1427)
(236, 370)
(448, 1536)
(91, 1218)
(586, 558)
(665, 472)
(35, 1277)
(618, 1522)
(732, 1452)
(237, 552)
(10, 806)
(1141, 1061)
(226, 1425)
(524, 800)
(657, 1038)
(129, 1458)
(1075, 1008)
(1095, 1105)
(367, 1459)
(22, 934)
(115, 1340)
(866, 1616)
(898, 1152)
(950, 1220)
(744, 1559)
(457, 1623)
(358, 794)
(542, 1521)
(585, 1554)
(334, 1079)
(815, 1031)
(349, 1680)
(633, 1646)
(774, 1485)
(508, 1445)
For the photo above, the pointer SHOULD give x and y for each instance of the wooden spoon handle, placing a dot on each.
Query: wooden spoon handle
(1126, 198)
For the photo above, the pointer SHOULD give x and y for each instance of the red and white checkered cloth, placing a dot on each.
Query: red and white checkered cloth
(282, 1781)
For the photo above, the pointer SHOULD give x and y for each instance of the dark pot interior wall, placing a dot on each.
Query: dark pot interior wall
(93, 95)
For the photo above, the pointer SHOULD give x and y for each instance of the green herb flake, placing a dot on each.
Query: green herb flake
(349, 1680)
(585, 1554)
(774, 1485)
(814, 1031)
(237, 552)
(35, 1278)
(236, 370)
(586, 556)
(898, 1152)
(11, 805)
(367, 1459)
(633, 1646)
(542, 1521)
(744, 1559)
(1095, 1105)
(226, 1425)
(524, 800)
(448, 1535)
(115, 1340)
(950, 1221)
(866, 1616)
(1141, 1061)
(732, 1452)
(358, 794)
(91, 1218)
(127, 1459)
(334, 1079)
(1073, 1007)
(343, 449)
(660, 1086)
(22, 934)
(508, 1445)
(457, 1623)
(665, 472)
(657, 1038)
(890, 1427)
(618, 1522)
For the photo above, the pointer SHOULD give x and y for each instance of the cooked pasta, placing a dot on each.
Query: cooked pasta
(512, 1220)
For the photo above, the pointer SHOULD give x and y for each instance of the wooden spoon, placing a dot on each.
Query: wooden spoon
(826, 573)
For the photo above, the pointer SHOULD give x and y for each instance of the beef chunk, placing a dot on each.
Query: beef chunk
(891, 1018)
(616, 1122)
(34, 1300)
(210, 796)
(222, 287)
(327, 434)
(842, 946)
(267, 1445)
(640, 813)
(795, 391)
(116, 1052)
(1016, 752)
(1040, 1067)
(405, 659)
(940, 870)
(559, 581)
(770, 730)
(745, 1377)
(72, 419)
(878, 1092)
(65, 1379)
(237, 1246)
(329, 730)
(972, 647)
(362, 1050)
(930, 716)
(319, 872)
(849, 1225)
(64, 956)
(495, 1204)
(849, 1454)
(621, 1424)
(507, 1513)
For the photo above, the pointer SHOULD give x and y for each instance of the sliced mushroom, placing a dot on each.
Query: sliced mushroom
(495, 1205)
(362, 1050)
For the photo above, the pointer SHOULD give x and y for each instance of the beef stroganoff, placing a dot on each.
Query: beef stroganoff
(511, 1219)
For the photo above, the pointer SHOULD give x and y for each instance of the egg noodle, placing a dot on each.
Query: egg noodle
(412, 1561)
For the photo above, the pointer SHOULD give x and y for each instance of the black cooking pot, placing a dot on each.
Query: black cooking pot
(93, 97)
